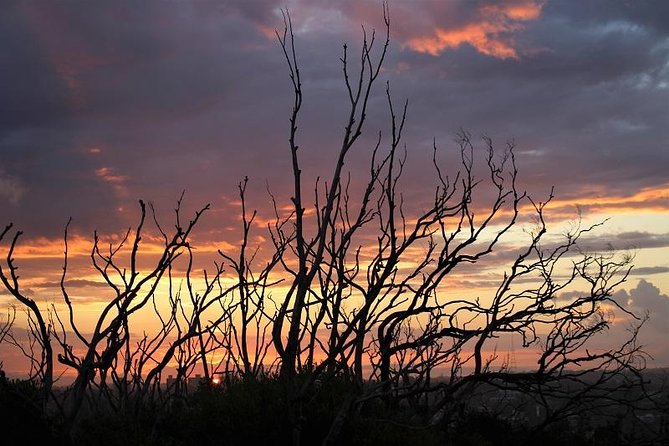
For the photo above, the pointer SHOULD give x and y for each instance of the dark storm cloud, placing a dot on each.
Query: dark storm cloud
(110, 103)
(587, 97)
(30, 94)
(104, 103)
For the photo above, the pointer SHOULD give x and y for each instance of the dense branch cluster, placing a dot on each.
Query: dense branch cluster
(355, 288)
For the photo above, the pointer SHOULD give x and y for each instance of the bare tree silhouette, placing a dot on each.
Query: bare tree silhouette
(356, 290)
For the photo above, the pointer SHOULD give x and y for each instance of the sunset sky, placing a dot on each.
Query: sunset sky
(104, 103)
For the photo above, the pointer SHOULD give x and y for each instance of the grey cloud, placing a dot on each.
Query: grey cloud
(31, 94)
(644, 299)
(192, 95)
(650, 14)
(590, 102)
(647, 298)
(646, 271)
(11, 188)
(626, 241)
(164, 85)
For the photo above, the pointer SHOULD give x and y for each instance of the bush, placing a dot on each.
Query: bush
(21, 412)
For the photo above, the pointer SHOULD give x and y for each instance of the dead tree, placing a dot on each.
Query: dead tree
(309, 251)
(367, 278)
(394, 288)
(39, 325)
(252, 297)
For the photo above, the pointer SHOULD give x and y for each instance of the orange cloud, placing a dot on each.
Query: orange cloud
(491, 34)
(649, 199)
(107, 175)
(522, 11)
(42, 247)
(268, 31)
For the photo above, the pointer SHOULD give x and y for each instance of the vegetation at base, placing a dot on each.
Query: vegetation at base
(21, 414)
(256, 411)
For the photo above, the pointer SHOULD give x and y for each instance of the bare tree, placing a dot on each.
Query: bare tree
(6, 326)
(398, 311)
(39, 325)
(253, 297)
(365, 294)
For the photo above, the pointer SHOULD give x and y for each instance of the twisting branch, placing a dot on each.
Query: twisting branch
(41, 329)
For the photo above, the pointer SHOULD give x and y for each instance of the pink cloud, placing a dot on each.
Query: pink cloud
(491, 32)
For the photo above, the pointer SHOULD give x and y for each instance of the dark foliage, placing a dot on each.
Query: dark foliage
(20, 412)
(256, 410)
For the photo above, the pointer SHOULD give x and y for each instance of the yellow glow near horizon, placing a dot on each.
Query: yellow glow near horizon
(629, 222)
